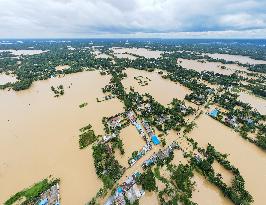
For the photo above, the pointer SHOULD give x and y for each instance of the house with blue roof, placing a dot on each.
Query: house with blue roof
(214, 113)
(155, 140)
(43, 202)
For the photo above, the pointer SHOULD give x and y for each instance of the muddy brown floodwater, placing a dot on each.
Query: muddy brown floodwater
(138, 51)
(216, 67)
(162, 90)
(250, 159)
(7, 79)
(24, 52)
(239, 58)
(39, 135)
(256, 102)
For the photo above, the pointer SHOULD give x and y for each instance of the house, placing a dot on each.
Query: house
(231, 121)
(115, 122)
(134, 193)
(162, 154)
(147, 128)
(120, 200)
(131, 117)
(147, 147)
(107, 138)
(43, 202)
(155, 140)
(147, 107)
(130, 181)
(183, 109)
(110, 200)
(214, 113)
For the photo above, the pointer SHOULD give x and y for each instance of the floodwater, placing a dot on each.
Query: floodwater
(226, 174)
(132, 142)
(206, 193)
(138, 51)
(239, 58)
(216, 67)
(162, 90)
(256, 102)
(121, 53)
(4, 78)
(149, 198)
(39, 135)
(248, 158)
(24, 52)
(99, 54)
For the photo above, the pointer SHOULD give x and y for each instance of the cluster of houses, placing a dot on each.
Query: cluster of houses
(107, 138)
(150, 132)
(127, 189)
(50, 196)
(160, 155)
(147, 147)
(133, 120)
(115, 122)
(228, 120)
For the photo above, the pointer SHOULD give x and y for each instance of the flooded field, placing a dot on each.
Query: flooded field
(24, 52)
(256, 102)
(149, 198)
(122, 53)
(7, 79)
(62, 67)
(236, 58)
(161, 89)
(39, 136)
(99, 54)
(132, 142)
(206, 193)
(138, 51)
(252, 167)
(210, 66)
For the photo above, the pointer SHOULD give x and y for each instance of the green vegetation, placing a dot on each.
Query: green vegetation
(83, 105)
(205, 89)
(236, 192)
(179, 187)
(147, 180)
(58, 91)
(32, 193)
(107, 167)
(87, 137)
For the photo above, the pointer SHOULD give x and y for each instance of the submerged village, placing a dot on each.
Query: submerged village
(133, 122)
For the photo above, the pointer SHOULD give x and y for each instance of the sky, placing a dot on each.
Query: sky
(133, 18)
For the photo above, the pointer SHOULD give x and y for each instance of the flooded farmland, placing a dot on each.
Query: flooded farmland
(236, 58)
(4, 78)
(39, 136)
(216, 67)
(24, 52)
(225, 140)
(256, 102)
(161, 89)
(138, 51)
(41, 139)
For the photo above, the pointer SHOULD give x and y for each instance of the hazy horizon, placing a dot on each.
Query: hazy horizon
(178, 19)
